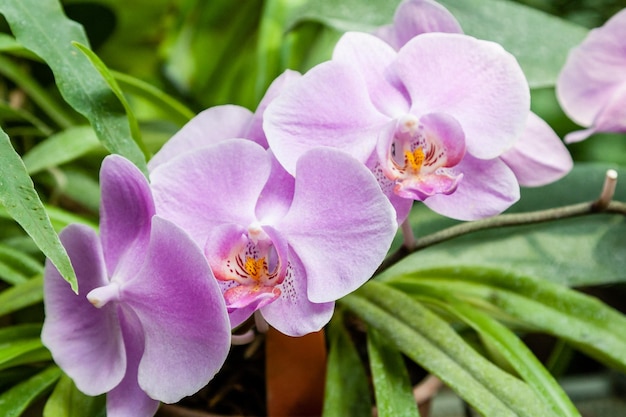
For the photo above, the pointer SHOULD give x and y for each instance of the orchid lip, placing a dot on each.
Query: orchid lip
(422, 154)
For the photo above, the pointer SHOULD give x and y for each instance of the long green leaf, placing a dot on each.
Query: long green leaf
(61, 148)
(175, 110)
(517, 354)
(110, 80)
(346, 391)
(21, 295)
(67, 401)
(42, 27)
(394, 396)
(28, 265)
(539, 305)
(433, 344)
(14, 349)
(16, 400)
(19, 198)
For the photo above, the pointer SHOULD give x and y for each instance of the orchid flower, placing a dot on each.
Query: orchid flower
(591, 87)
(283, 246)
(149, 323)
(219, 123)
(539, 156)
(430, 120)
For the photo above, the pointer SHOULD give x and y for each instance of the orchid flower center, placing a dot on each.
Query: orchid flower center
(422, 156)
(251, 270)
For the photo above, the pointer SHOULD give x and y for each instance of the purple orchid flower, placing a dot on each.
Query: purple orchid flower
(285, 247)
(539, 156)
(591, 87)
(430, 120)
(149, 323)
(219, 123)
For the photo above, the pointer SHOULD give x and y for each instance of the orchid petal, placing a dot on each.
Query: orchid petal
(538, 157)
(255, 130)
(476, 82)
(488, 188)
(277, 194)
(372, 59)
(415, 17)
(211, 126)
(182, 313)
(214, 185)
(339, 224)
(328, 106)
(86, 342)
(594, 71)
(125, 212)
(293, 313)
(128, 399)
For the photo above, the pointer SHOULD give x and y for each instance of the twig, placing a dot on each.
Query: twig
(602, 205)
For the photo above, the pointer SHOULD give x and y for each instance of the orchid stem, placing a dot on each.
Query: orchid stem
(602, 205)
(261, 324)
(408, 235)
(242, 339)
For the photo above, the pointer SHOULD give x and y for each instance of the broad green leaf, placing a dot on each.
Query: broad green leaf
(346, 391)
(67, 401)
(394, 394)
(63, 147)
(42, 27)
(21, 295)
(17, 399)
(533, 304)
(539, 41)
(19, 198)
(517, 354)
(433, 344)
(10, 45)
(578, 251)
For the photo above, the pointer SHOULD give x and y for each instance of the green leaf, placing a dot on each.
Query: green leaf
(174, 109)
(533, 304)
(67, 401)
(20, 331)
(394, 394)
(19, 262)
(346, 391)
(539, 41)
(21, 344)
(19, 198)
(58, 113)
(61, 148)
(433, 344)
(42, 27)
(110, 80)
(577, 251)
(518, 355)
(16, 400)
(9, 351)
(21, 295)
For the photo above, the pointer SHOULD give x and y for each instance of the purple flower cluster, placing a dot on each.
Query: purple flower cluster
(283, 211)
